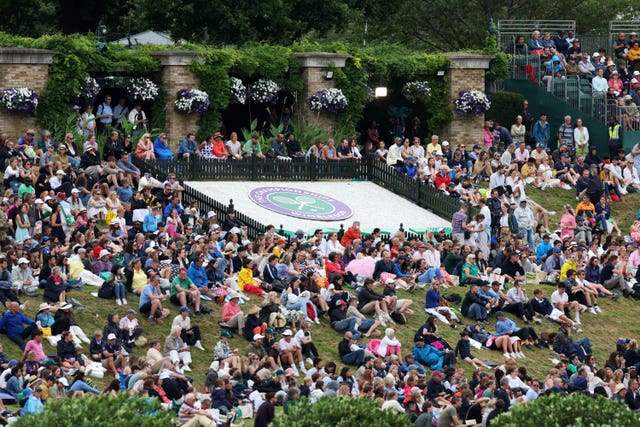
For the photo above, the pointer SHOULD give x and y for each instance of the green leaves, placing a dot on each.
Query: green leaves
(122, 410)
(575, 410)
(340, 412)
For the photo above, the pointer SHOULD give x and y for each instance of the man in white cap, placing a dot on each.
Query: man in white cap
(291, 352)
(22, 275)
(58, 182)
(113, 355)
(190, 334)
(131, 328)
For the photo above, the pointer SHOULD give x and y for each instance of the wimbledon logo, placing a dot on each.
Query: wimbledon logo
(300, 203)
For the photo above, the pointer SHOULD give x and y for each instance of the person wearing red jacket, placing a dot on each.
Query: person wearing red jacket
(442, 178)
(351, 234)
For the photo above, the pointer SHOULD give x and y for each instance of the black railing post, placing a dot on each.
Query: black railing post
(254, 172)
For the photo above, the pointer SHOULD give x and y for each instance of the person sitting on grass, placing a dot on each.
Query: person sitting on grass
(246, 281)
(183, 291)
(543, 307)
(463, 348)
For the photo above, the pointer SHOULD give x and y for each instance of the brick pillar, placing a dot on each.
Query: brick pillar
(22, 68)
(466, 71)
(314, 70)
(176, 76)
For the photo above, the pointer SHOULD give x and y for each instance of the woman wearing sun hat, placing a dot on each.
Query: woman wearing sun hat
(253, 325)
(222, 353)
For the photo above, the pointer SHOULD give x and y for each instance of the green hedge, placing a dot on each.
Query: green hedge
(505, 106)
(383, 64)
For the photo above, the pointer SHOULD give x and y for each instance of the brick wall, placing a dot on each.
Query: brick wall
(314, 71)
(22, 68)
(176, 76)
(467, 71)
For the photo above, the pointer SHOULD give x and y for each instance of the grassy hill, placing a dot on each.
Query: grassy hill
(617, 319)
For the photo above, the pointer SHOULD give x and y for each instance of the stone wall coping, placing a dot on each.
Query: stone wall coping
(469, 61)
(322, 59)
(17, 55)
(175, 57)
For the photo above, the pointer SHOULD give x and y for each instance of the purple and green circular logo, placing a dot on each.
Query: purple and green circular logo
(300, 203)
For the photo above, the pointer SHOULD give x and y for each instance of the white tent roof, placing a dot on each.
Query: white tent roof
(147, 37)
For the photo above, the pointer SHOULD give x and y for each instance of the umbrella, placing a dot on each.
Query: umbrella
(362, 267)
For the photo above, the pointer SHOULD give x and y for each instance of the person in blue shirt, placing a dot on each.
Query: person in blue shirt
(12, 324)
(79, 384)
(33, 404)
(151, 299)
(161, 149)
(197, 273)
(173, 204)
(544, 248)
(542, 130)
(151, 220)
(410, 168)
(189, 148)
(506, 326)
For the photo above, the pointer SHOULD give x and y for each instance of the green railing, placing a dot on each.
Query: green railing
(367, 169)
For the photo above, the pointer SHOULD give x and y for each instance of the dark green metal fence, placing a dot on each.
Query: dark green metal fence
(367, 169)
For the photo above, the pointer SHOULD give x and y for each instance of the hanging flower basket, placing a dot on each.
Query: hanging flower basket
(416, 91)
(192, 101)
(237, 91)
(19, 99)
(472, 102)
(264, 91)
(89, 90)
(372, 94)
(328, 100)
(142, 89)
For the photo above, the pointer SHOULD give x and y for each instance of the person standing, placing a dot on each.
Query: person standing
(459, 223)
(266, 411)
(104, 114)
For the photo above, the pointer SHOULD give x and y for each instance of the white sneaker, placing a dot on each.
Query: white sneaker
(566, 187)
(382, 321)
(506, 355)
(119, 302)
(592, 310)
(389, 319)
(598, 309)
(186, 368)
(309, 361)
(513, 355)
(521, 355)
(198, 345)
(124, 301)
(552, 213)
(317, 321)
(537, 320)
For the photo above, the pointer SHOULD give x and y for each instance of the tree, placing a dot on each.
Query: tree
(103, 410)
(340, 412)
(575, 410)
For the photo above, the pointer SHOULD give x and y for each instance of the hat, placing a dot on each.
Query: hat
(46, 239)
(104, 253)
(438, 153)
(226, 334)
(76, 107)
(270, 331)
(62, 147)
(614, 72)
(233, 295)
(60, 172)
(299, 231)
(184, 309)
(111, 336)
(257, 337)
(290, 372)
(91, 148)
(593, 166)
(198, 237)
(75, 190)
(38, 201)
(634, 81)
(556, 249)
(63, 381)
(23, 261)
(636, 73)
(27, 392)
(595, 54)
(422, 246)
(131, 311)
(217, 135)
(610, 63)
(280, 371)
(61, 195)
(254, 309)
(499, 313)
(287, 333)
(576, 40)
(445, 143)
(619, 388)
(66, 306)
(437, 373)
(341, 302)
(43, 306)
(149, 250)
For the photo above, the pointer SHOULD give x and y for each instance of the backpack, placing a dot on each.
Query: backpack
(31, 291)
(398, 317)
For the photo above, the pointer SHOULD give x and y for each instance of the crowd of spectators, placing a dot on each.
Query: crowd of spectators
(70, 220)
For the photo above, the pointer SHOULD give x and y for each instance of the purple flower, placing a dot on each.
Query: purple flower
(19, 99)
